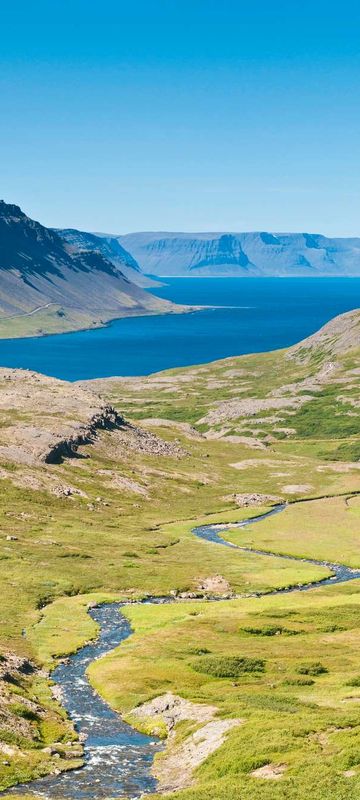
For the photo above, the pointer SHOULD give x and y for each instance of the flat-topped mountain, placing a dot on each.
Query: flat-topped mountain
(47, 284)
(258, 254)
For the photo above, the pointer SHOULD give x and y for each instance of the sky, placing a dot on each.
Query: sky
(192, 115)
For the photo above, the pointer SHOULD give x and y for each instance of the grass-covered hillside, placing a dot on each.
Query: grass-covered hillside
(99, 498)
(306, 397)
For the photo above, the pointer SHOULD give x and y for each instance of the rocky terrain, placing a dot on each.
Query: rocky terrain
(256, 400)
(27, 710)
(338, 336)
(44, 421)
(254, 254)
(174, 769)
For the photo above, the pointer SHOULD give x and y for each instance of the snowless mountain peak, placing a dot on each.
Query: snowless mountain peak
(246, 254)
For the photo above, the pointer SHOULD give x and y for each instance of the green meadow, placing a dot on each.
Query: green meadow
(299, 710)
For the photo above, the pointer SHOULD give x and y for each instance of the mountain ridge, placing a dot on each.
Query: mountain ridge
(111, 249)
(246, 254)
(49, 285)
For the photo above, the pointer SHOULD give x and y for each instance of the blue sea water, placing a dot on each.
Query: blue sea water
(248, 315)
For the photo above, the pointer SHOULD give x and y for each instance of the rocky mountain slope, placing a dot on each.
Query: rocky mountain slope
(339, 336)
(44, 420)
(308, 390)
(243, 254)
(51, 285)
(55, 417)
(111, 249)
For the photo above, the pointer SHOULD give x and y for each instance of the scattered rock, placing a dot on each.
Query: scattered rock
(15, 665)
(249, 407)
(116, 481)
(260, 462)
(271, 772)
(254, 499)
(7, 750)
(171, 709)
(336, 467)
(297, 488)
(248, 441)
(14, 671)
(188, 430)
(215, 584)
(174, 770)
(67, 491)
(134, 438)
(175, 767)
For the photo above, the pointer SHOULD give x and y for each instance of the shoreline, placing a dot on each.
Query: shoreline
(179, 309)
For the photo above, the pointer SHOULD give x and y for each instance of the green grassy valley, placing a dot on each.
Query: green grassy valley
(102, 484)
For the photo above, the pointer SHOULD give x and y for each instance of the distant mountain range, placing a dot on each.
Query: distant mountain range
(258, 254)
(48, 284)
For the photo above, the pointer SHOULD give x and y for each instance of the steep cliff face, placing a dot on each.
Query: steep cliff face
(110, 248)
(40, 273)
(243, 254)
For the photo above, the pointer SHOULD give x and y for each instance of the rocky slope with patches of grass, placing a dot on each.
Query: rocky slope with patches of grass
(35, 736)
(339, 336)
(45, 420)
(310, 390)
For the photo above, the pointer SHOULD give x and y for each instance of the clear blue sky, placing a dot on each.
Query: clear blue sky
(182, 114)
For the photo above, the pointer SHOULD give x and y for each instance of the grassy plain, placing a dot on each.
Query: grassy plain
(52, 319)
(328, 529)
(309, 723)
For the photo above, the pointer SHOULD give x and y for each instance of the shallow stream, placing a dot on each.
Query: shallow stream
(118, 758)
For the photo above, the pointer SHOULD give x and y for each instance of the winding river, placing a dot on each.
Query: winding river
(117, 758)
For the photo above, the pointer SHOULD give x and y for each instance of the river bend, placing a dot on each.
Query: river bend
(117, 758)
